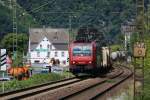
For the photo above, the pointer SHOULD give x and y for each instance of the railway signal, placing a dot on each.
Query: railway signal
(3, 59)
(139, 50)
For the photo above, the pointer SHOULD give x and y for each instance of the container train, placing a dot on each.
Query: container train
(87, 57)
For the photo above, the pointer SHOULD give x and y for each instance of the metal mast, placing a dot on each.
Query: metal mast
(14, 25)
(139, 52)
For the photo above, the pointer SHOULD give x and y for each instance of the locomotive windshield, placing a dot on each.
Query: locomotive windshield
(82, 50)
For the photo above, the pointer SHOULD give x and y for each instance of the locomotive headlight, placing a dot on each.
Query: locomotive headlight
(74, 62)
(90, 62)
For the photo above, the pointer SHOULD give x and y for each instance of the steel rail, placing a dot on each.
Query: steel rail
(100, 84)
(13, 95)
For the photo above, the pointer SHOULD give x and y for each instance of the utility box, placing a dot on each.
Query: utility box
(139, 50)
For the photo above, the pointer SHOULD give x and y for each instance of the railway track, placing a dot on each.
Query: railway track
(75, 88)
(95, 91)
(13, 95)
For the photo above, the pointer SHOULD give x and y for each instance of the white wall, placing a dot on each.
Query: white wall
(43, 53)
(59, 53)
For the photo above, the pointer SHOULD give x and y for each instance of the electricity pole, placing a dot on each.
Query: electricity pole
(14, 27)
(70, 30)
(139, 52)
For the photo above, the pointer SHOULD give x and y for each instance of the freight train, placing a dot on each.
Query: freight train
(90, 56)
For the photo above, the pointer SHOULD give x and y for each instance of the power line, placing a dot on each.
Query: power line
(45, 4)
(58, 12)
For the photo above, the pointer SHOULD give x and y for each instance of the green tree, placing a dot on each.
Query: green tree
(22, 42)
(24, 20)
(22, 45)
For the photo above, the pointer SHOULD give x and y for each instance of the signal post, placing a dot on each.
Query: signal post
(139, 52)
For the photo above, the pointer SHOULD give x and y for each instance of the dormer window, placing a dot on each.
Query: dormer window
(56, 36)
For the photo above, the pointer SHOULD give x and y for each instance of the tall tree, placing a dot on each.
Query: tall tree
(22, 42)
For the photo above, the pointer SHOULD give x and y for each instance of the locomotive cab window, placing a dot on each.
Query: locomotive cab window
(82, 50)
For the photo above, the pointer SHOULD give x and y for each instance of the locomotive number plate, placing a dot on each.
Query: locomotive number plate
(139, 50)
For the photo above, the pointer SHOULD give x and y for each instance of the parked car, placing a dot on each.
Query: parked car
(6, 78)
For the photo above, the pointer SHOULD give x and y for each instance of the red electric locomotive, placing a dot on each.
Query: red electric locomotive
(87, 57)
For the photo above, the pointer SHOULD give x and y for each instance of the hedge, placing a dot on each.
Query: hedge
(32, 81)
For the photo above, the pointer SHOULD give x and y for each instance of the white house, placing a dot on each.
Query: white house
(47, 43)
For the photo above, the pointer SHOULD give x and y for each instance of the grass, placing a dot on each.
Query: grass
(34, 80)
(147, 72)
(146, 69)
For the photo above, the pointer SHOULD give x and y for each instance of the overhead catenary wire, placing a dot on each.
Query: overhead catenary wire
(45, 4)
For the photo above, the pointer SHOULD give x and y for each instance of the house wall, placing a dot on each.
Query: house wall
(40, 53)
(60, 57)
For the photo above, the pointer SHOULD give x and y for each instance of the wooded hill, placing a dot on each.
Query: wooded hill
(6, 18)
(106, 15)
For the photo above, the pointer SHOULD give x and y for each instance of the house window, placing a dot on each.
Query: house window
(40, 46)
(56, 54)
(36, 61)
(48, 54)
(38, 54)
(62, 54)
(48, 46)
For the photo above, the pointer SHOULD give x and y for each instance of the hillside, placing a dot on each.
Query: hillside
(106, 15)
(6, 18)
